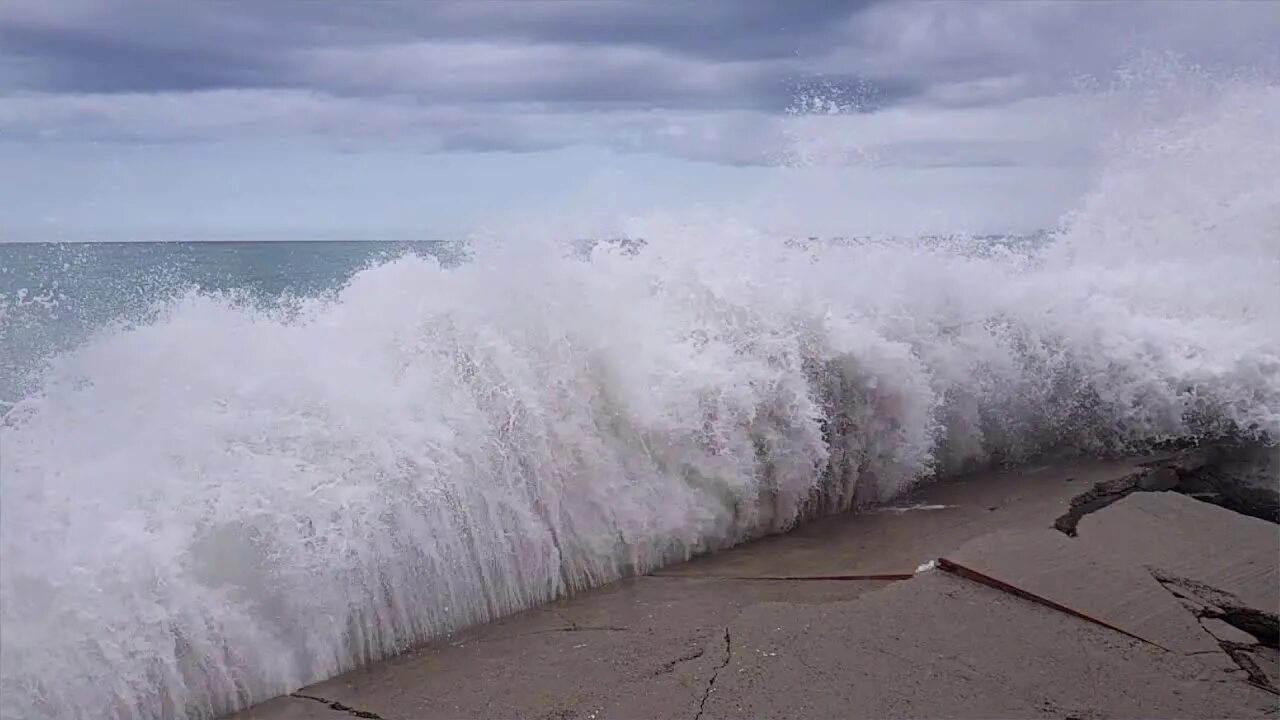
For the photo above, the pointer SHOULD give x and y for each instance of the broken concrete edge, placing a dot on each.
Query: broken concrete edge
(1218, 604)
(1207, 474)
(1263, 626)
(1225, 631)
(1242, 655)
(1108, 492)
(1211, 602)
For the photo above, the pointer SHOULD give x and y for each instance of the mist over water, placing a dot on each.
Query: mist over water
(230, 499)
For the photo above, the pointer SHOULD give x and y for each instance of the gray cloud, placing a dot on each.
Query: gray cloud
(705, 80)
(150, 46)
(61, 62)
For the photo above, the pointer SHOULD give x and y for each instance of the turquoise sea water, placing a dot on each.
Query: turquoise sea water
(53, 295)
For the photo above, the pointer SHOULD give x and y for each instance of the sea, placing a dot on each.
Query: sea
(228, 470)
(54, 295)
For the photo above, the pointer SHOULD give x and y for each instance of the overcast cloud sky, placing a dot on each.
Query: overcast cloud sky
(124, 118)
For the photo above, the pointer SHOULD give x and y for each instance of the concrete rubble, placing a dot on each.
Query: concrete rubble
(1150, 600)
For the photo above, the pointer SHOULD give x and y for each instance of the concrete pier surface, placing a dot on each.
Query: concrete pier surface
(1088, 590)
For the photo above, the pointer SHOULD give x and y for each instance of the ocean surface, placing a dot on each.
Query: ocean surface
(229, 470)
(53, 296)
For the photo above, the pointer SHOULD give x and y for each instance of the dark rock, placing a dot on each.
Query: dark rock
(1241, 478)
(1158, 479)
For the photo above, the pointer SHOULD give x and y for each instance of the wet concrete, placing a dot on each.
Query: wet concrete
(1114, 622)
(887, 540)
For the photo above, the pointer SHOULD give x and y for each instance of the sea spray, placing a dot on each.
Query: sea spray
(228, 501)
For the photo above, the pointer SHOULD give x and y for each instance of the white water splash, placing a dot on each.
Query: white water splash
(226, 503)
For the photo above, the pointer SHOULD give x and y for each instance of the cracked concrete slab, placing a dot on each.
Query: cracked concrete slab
(1057, 567)
(939, 645)
(1205, 601)
(661, 642)
(1187, 538)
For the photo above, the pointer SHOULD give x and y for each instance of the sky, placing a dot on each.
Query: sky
(138, 119)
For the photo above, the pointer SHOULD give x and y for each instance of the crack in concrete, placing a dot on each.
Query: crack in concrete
(1240, 654)
(1201, 598)
(573, 626)
(706, 693)
(981, 578)
(335, 705)
(1216, 603)
(669, 667)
